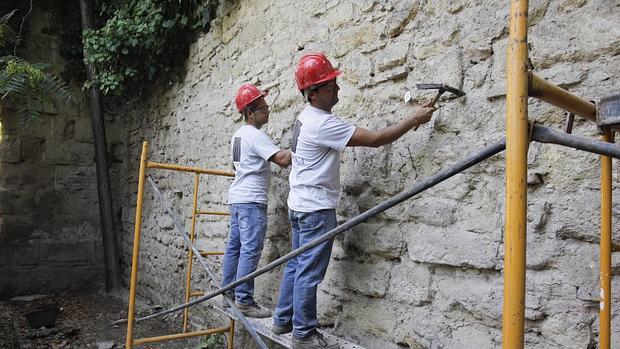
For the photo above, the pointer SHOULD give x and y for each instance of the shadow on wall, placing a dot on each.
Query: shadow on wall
(49, 235)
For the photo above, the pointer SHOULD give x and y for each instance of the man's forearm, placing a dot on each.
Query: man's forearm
(394, 132)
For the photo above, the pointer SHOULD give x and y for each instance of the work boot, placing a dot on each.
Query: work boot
(224, 301)
(314, 341)
(254, 310)
(277, 329)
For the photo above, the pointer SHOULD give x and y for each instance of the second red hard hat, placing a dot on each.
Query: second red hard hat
(247, 94)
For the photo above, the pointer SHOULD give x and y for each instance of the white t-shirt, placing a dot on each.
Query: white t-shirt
(318, 139)
(251, 149)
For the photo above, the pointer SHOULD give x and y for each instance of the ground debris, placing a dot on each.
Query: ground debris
(83, 323)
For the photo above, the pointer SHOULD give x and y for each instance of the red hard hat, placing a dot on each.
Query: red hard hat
(312, 69)
(247, 94)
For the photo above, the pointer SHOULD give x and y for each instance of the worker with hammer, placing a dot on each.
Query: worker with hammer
(252, 150)
(318, 139)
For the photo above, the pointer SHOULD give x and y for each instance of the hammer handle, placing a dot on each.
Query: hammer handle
(433, 102)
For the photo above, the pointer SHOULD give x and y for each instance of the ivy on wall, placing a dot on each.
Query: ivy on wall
(143, 42)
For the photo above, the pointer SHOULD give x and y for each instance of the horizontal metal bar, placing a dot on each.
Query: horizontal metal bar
(419, 187)
(196, 294)
(161, 166)
(544, 134)
(554, 95)
(181, 335)
(211, 253)
(213, 213)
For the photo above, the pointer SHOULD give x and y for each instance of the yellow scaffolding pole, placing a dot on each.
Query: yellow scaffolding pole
(516, 174)
(555, 95)
(130, 340)
(605, 247)
(136, 249)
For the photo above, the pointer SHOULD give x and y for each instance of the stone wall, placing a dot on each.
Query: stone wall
(427, 273)
(50, 240)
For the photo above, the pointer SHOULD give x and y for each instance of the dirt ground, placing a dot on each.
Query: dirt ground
(84, 322)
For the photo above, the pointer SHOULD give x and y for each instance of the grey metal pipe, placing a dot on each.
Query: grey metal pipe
(419, 187)
(544, 134)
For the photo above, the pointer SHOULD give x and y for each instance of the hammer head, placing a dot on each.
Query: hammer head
(442, 88)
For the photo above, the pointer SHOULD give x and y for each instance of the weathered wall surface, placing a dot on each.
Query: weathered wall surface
(427, 273)
(50, 241)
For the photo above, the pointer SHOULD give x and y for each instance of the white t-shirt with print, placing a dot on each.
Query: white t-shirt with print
(318, 139)
(251, 149)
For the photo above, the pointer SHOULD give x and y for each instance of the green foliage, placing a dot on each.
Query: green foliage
(25, 83)
(143, 42)
(7, 34)
(215, 341)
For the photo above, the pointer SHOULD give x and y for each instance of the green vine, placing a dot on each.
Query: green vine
(27, 84)
(143, 42)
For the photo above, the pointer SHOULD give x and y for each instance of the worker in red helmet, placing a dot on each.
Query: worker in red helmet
(251, 151)
(318, 139)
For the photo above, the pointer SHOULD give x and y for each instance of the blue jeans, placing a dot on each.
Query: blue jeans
(248, 224)
(302, 275)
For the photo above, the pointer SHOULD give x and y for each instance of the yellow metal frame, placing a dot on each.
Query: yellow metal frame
(520, 83)
(131, 313)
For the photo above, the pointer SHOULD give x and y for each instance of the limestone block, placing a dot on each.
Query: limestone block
(567, 317)
(15, 202)
(10, 149)
(478, 293)
(419, 327)
(410, 283)
(369, 279)
(452, 246)
(83, 129)
(15, 255)
(376, 239)
(80, 180)
(355, 37)
(474, 336)
(33, 149)
(67, 253)
(400, 16)
(70, 153)
(341, 15)
(376, 317)
(393, 55)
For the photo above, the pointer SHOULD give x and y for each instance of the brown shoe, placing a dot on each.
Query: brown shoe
(254, 310)
(314, 341)
(277, 329)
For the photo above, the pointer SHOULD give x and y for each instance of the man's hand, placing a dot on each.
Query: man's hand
(422, 114)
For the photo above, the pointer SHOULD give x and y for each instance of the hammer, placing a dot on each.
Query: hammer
(441, 89)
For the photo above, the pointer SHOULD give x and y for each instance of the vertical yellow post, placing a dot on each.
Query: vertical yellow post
(231, 334)
(192, 236)
(605, 271)
(136, 249)
(516, 176)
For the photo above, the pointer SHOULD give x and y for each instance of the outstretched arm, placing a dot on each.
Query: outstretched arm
(366, 138)
(282, 158)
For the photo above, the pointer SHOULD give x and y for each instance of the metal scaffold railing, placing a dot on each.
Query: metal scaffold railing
(521, 84)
